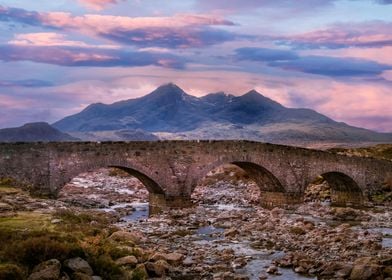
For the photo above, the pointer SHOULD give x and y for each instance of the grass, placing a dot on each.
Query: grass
(30, 238)
(381, 151)
(26, 221)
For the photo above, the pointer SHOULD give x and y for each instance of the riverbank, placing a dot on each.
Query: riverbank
(99, 229)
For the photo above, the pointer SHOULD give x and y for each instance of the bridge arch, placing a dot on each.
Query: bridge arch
(261, 175)
(147, 181)
(345, 191)
(272, 191)
(147, 177)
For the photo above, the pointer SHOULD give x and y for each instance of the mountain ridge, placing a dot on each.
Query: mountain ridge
(170, 111)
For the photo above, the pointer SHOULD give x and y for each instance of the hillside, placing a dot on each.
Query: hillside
(33, 132)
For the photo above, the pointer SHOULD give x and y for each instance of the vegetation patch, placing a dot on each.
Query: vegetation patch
(26, 221)
(11, 272)
(380, 151)
(30, 238)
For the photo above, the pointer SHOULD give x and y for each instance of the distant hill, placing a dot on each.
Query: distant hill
(170, 113)
(116, 135)
(33, 132)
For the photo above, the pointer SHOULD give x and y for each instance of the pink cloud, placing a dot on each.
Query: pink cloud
(97, 4)
(44, 39)
(342, 35)
(106, 23)
(381, 55)
(235, 6)
(178, 31)
(51, 39)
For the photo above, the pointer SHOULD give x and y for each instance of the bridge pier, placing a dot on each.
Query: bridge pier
(160, 202)
(270, 200)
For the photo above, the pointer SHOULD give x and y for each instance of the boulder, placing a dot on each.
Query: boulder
(232, 232)
(276, 212)
(48, 270)
(122, 236)
(174, 258)
(79, 265)
(127, 261)
(273, 270)
(158, 268)
(171, 258)
(366, 268)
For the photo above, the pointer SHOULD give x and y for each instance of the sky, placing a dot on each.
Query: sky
(333, 56)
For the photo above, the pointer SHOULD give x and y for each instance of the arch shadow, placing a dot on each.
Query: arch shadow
(272, 192)
(263, 177)
(150, 184)
(344, 190)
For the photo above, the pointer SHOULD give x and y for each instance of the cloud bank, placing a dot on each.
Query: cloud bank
(178, 31)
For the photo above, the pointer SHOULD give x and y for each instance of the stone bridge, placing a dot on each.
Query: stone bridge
(171, 170)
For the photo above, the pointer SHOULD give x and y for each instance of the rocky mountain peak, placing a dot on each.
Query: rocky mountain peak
(168, 90)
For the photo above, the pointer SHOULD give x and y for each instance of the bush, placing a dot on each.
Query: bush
(139, 274)
(104, 266)
(72, 217)
(11, 272)
(116, 252)
(35, 250)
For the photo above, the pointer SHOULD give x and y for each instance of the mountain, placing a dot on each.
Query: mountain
(171, 113)
(168, 108)
(33, 132)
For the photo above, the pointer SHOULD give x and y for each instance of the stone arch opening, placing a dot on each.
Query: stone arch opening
(149, 183)
(335, 188)
(120, 189)
(266, 181)
(271, 191)
(226, 184)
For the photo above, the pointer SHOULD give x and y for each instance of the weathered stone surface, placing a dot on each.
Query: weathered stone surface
(126, 236)
(79, 265)
(127, 261)
(158, 268)
(48, 270)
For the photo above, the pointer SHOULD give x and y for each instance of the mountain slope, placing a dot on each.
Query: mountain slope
(32, 132)
(171, 113)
